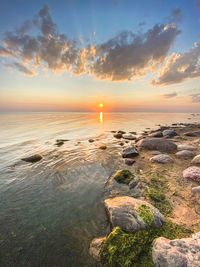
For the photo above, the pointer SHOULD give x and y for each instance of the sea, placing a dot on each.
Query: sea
(52, 209)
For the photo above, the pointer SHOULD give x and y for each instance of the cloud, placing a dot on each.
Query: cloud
(124, 57)
(170, 95)
(180, 67)
(195, 98)
(21, 68)
(175, 16)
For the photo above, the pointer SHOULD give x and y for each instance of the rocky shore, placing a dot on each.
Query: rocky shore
(153, 205)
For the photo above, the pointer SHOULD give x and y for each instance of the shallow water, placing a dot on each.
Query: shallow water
(50, 210)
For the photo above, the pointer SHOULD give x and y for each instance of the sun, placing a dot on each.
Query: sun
(101, 105)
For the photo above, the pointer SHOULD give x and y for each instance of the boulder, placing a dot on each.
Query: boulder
(162, 158)
(183, 252)
(95, 247)
(132, 214)
(160, 144)
(192, 134)
(184, 154)
(193, 173)
(196, 160)
(169, 133)
(128, 136)
(156, 134)
(33, 159)
(186, 147)
(130, 152)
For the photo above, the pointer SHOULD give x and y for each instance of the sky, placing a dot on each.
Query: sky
(71, 55)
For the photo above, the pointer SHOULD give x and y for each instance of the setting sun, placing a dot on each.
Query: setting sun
(101, 105)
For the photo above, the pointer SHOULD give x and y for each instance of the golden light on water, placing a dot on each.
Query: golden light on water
(101, 117)
(101, 105)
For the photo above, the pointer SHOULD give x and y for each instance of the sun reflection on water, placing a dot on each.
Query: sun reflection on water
(101, 117)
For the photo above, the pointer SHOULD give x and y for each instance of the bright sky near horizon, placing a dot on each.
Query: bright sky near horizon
(72, 55)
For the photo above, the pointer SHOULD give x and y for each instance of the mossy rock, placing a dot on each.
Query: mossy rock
(126, 250)
(124, 176)
(146, 214)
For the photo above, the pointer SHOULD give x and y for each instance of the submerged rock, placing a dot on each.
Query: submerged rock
(160, 144)
(169, 133)
(162, 158)
(123, 176)
(196, 160)
(117, 135)
(192, 173)
(102, 147)
(184, 154)
(130, 152)
(183, 252)
(95, 247)
(128, 136)
(91, 140)
(186, 147)
(33, 159)
(192, 134)
(132, 214)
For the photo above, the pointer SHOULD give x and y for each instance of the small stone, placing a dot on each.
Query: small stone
(121, 132)
(130, 152)
(192, 134)
(192, 173)
(155, 152)
(169, 133)
(196, 189)
(184, 154)
(133, 133)
(186, 147)
(103, 147)
(134, 183)
(121, 143)
(162, 158)
(59, 143)
(129, 137)
(33, 158)
(196, 160)
(95, 247)
(156, 134)
(118, 135)
(91, 140)
(129, 162)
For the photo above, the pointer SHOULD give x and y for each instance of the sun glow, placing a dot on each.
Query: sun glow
(101, 105)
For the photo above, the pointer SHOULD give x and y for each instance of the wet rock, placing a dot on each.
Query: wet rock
(130, 152)
(160, 144)
(183, 252)
(133, 133)
(169, 133)
(132, 214)
(91, 140)
(121, 132)
(162, 158)
(123, 176)
(102, 147)
(121, 143)
(192, 173)
(33, 159)
(62, 140)
(128, 136)
(186, 147)
(196, 189)
(118, 135)
(192, 134)
(59, 143)
(196, 160)
(156, 134)
(129, 162)
(95, 247)
(134, 182)
(184, 154)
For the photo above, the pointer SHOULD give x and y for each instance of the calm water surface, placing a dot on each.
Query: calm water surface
(50, 210)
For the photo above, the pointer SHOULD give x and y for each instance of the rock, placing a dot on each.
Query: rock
(156, 134)
(118, 135)
(121, 143)
(59, 143)
(196, 160)
(192, 134)
(183, 252)
(133, 133)
(196, 189)
(160, 144)
(128, 136)
(162, 158)
(123, 176)
(62, 140)
(186, 147)
(193, 173)
(155, 152)
(95, 247)
(184, 154)
(132, 214)
(134, 183)
(169, 133)
(130, 152)
(121, 132)
(91, 140)
(129, 162)
(103, 147)
(33, 158)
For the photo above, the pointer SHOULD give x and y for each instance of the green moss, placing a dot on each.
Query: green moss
(103, 147)
(145, 213)
(123, 176)
(124, 250)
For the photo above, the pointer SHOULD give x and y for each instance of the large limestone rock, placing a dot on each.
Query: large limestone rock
(160, 144)
(95, 247)
(196, 160)
(184, 154)
(183, 252)
(192, 173)
(161, 158)
(186, 147)
(132, 214)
